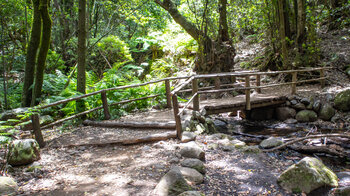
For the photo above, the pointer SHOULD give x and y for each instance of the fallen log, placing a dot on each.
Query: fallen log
(146, 139)
(330, 149)
(304, 138)
(142, 125)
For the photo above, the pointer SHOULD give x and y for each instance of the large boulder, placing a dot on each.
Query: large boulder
(8, 186)
(306, 116)
(342, 100)
(194, 164)
(271, 142)
(23, 152)
(192, 150)
(172, 184)
(284, 113)
(191, 175)
(326, 112)
(307, 175)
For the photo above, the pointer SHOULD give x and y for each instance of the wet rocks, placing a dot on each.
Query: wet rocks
(23, 152)
(271, 142)
(262, 114)
(8, 186)
(307, 175)
(306, 116)
(326, 112)
(342, 101)
(284, 113)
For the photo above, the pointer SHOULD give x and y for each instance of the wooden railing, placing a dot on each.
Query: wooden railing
(172, 96)
(247, 88)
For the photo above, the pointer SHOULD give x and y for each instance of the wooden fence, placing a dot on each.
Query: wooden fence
(172, 96)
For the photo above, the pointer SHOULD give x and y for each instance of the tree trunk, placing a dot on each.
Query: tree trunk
(223, 28)
(31, 55)
(282, 30)
(81, 52)
(44, 48)
(301, 34)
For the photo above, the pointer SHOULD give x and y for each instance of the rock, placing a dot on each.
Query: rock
(23, 152)
(284, 113)
(342, 101)
(326, 112)
(316, 106)
(192, 150)
(271, 142)
(198, 116)
(262, 114)
(191, 175)
(251, 149)
(344, 178)
(228, 145)
(307, 175)
(336, 118)
(12, 114)
(213, 146)
(305, 101)
(293, 102)
(191, 193)
(217, 136)
(34, 167)
(200, 129)
(329, 98)
(174, 160)
(306, 116)
(8, 186)
(342, 191)
(299, 106)
(220, 126)
(194, 164)
(187, 137)
(291, 121)
(173, 183)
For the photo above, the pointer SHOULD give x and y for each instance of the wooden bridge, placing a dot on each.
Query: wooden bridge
(251, 81)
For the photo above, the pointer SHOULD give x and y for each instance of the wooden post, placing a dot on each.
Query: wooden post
(194, 91)
(247, 93)
(177, 117)
(321, 76)
(37, 131)
(167, 91)
(105, 106)
(217, 85)
(294, 85)
(258, 90)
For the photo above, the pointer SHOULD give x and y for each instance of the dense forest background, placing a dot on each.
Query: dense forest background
(53, 50)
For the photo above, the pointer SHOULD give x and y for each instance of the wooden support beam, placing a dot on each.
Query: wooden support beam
(322, 76)
(196, 98)
(37, 131)
(105, 106)
(258, 82)
(177, 117)
(294, 84)
(247, 93)
(168, 93)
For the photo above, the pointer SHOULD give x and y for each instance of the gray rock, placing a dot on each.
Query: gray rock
(271, 142)
(307, 175)
(342, 101)
(326, 112)
(172, 184)
(251, 149)
(342, 191)
(290, 121)
(330, 97)
(23, 152)
(194, 164)
(12, 114)
(220, 126)
(317, 106)
(293, 102)
(217, 136)
(191, 175)
(305, 101)
(198, 116)
(192, 150)
(200, 129)
(288, 103)
(344, 178)
(299, 106)
(306, 116)
(284, 113)
(174, 160)
(262, 114)
(191, 193)
(336, 118)
(187, 137)
(8, 186)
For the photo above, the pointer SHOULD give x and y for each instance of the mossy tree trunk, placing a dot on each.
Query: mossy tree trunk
(32, 51)
(44, 48)
(81, 52)
(301, 32)
(282, 31)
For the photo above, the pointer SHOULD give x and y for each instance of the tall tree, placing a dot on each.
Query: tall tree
(81, 80)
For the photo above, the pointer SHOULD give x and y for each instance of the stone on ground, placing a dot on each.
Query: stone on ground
(23, 152)
(306, 116)
(284, 113)
(229, 145)
(191, 175)
(342, 101)
(271, 142)
(8, 186)
(187, 137)
(172, 184)
(192, 150)
(194, 164)
(307, 175)
(191, 193)
(327, 112)
(251, 149)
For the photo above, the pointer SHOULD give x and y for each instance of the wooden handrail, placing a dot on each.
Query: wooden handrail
(187, 104)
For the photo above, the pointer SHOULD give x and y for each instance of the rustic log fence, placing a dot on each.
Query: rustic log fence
(172, 96)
